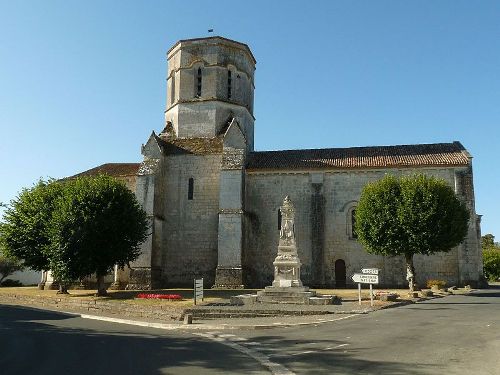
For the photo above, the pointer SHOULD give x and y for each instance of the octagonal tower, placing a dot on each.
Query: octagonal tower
(209, 82)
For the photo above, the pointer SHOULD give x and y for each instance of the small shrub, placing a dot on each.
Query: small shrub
(438, 283)
(491, 264)
(11, 283)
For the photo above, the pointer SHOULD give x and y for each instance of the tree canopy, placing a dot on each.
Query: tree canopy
(410, 215)
(491, 257)
(98, 223)
(24, 232)
(75, 228)
(8, 266)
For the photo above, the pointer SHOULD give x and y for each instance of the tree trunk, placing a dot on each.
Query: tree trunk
(63, 288)
(101, 289)
(410, 272)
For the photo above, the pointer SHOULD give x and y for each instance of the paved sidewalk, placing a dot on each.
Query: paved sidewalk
(345, 311)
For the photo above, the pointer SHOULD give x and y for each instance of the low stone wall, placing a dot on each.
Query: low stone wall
(95, 306)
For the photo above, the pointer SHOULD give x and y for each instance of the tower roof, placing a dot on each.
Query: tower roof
(215, 40)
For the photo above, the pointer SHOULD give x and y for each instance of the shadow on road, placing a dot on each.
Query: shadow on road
(41, 342)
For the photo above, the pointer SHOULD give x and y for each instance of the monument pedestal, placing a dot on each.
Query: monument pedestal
(229, 278)
(272, 294)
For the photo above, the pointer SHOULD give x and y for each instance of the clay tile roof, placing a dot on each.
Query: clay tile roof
(112, 169)
(437, 154)
(195, 146)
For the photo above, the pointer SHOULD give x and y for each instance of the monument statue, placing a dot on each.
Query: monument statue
(287, 263)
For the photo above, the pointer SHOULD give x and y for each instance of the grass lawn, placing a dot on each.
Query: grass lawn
(211, 295)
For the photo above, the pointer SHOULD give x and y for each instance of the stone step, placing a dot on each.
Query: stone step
(286, 295)
(223, 314)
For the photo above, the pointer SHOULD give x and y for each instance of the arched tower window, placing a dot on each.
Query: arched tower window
(190, 188)
(279, 218)
(198, 82)
(229, 84)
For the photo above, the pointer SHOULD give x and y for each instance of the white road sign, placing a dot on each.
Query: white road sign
(362, 278)
(370, 271)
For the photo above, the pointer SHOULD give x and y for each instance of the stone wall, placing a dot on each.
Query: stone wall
(189, 239)
(331, 196)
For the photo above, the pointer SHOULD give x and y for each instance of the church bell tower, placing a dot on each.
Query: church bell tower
(209, 82)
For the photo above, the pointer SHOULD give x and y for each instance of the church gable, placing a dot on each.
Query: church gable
(151, 149)
(234, 137)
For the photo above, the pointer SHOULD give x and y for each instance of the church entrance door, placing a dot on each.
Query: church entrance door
(340, 274)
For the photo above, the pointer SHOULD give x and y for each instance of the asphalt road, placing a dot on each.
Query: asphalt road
(451, 335)
(41, 342)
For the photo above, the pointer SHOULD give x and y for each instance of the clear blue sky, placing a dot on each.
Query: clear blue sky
(82, 83)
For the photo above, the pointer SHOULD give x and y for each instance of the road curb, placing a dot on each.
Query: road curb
(205, 326)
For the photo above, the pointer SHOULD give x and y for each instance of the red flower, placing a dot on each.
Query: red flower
(159, 296)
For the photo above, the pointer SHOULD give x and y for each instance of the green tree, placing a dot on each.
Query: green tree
(25, 227)
(487, 241)
(410, 215)
(97, 223)
(491, 264)
(491, 257)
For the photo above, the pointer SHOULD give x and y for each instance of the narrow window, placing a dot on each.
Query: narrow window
(229, 84)
(172, 89)
(353, 224)
(279, 219)
(198, 83)
(190, 188)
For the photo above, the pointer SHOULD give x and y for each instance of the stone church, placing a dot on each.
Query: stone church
(214, 202)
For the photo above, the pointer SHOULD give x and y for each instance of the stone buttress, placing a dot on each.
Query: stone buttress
(230, 233)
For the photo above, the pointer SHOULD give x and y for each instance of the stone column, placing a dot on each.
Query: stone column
(41, 285)
(317, 231)
(117, 284)
(50, 283)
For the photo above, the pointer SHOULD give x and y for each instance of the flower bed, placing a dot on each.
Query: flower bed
(159, 296)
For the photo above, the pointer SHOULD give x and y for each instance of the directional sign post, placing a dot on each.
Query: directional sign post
(370, 271)
(368, 277)
(198, 290)
(363, 278)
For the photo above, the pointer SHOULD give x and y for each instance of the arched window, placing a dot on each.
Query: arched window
(190, 188)
(279, 218)
(229, 83)
(198, 82)
(354, 235)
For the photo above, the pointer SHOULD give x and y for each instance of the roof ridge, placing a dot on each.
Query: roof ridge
(455, 143)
